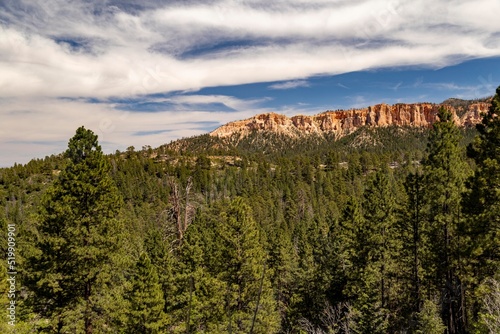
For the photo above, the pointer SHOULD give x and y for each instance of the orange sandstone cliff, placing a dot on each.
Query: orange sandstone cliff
(344, 122)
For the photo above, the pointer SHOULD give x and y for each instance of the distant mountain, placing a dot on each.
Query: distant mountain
(344, 122)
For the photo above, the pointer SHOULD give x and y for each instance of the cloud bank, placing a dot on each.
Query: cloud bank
(76, 48)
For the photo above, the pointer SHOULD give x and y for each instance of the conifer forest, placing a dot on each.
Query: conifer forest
(261, 235)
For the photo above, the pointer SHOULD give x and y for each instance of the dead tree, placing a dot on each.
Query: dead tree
(182, 211)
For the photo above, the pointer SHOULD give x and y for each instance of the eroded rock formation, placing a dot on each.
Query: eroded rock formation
(344, 122)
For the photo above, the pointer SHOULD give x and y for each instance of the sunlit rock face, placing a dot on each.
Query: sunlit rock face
(344, 122)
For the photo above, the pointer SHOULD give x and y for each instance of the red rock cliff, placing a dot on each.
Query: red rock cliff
(344, 122)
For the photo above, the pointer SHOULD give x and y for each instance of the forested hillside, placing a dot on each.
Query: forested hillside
(386, 230)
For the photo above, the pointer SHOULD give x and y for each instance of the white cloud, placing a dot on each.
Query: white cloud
(229, 101)
(290, 84)
(141, 53)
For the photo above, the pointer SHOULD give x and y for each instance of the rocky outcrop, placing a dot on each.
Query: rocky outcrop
(344, 122)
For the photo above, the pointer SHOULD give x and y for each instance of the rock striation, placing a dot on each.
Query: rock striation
(344, 122)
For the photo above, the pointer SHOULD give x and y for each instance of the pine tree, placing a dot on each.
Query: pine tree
(444, 176)
(283, 259)
(378, 249)
(197, 299)
(77, 237)
(428, 320)
(482, 202)
(350, 238)
(413, 231)
(250, 302)
(158, 250)
(146, 299)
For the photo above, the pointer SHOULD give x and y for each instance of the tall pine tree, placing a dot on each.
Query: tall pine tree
(444, 174)
(482, 200)
(379, 248)
(250, 302)
(414, 225)
(77, 237)
(371, 247)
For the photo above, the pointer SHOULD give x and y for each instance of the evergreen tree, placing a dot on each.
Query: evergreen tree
(196, 303)
(283, 259)
(146, 299)
(201, 174)
(428, 319)
(413, 233)
(482, 201)
(77, 238)
(158, 250)
(379, 247)
(444, 176)
(250, 302)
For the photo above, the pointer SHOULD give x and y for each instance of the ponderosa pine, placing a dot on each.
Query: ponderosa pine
(482, 200)
(250, 299)
(77, 238)
(444, 174)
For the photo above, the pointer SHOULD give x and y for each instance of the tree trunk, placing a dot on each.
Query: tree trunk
(88, 316)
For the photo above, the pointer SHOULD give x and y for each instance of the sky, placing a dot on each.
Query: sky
(148, 72)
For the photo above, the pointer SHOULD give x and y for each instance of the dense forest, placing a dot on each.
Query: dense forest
(388, 230)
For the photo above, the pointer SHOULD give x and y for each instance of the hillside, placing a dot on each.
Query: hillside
(381, 129)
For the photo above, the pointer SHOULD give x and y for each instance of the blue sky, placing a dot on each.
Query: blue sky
(148, 72)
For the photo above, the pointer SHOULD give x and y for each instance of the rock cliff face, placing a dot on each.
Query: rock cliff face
(344, 122)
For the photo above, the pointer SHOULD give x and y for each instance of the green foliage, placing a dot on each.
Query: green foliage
(4, 301)
(197, 300)
(444, 174)
(374, 253)
(429, 320)
(489, 316)
(77, 238)
(146, 299)
(244, 257)
(414, 237)
(482, 202)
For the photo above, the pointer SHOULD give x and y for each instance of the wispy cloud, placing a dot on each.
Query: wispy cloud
(290, 84)
(447, 86)
(146, 133)
(77, 48)
(396, 87)
(482, 88)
